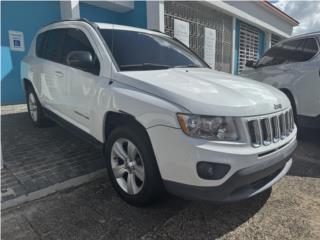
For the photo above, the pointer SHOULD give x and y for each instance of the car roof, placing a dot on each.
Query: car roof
(311, 34)
(101, 25)
(127, 28)
(302, 36)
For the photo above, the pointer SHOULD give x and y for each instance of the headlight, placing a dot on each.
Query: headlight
(209, 127)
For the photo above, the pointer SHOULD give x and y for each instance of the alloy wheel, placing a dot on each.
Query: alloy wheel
(127, 166)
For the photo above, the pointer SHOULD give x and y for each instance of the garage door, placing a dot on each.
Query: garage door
(248, 45)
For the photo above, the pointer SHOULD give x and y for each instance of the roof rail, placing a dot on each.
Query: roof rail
(306, 34)
(72, 20)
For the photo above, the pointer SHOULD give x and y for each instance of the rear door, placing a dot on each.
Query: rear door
(275, 66)
(304, 70)
(53, 81)
(279, 73)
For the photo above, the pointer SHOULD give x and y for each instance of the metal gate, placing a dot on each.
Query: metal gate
(199, 16)
(248, 45)
(275, 39)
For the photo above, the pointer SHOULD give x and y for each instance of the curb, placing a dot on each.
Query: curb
(73, 182)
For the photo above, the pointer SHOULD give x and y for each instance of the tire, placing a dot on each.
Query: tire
(128, 183)
(35, 109)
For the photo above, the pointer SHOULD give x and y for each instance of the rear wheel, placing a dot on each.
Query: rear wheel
(35, 109)
(132, 167)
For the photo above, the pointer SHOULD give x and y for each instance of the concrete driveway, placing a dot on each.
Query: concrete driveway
(94, 211)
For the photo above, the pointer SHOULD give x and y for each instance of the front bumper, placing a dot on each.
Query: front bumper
(252, 170)
(243, 184)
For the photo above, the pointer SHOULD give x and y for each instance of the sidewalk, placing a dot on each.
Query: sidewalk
(41, 161)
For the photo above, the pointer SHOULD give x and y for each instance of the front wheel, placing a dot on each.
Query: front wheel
(132, 167)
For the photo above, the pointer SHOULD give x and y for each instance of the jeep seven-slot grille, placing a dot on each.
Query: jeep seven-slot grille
(265, 130)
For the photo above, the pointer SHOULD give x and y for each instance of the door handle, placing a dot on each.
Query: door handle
(59, 74)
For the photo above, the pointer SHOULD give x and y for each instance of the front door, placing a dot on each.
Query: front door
(81, 87)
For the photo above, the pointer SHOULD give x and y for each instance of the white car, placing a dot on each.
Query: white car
(293, 66)
(165, 120)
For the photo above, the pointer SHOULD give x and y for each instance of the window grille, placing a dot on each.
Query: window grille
(199, 16)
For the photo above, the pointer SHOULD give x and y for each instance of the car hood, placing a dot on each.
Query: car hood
(208, 92)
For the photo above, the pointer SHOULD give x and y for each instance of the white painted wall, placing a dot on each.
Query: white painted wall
(69, 9)
(233, 63)
(267, 40)
(155, 15)
(255, 10)
(114, 5)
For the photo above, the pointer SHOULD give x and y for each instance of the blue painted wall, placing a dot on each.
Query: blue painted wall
(27, 17)
(135, 18)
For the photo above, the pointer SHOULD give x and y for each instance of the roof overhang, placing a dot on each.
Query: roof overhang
(241, 15)
(117, 6)
(279, 12)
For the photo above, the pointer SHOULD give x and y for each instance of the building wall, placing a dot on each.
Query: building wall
(255, 10)
(27, 17)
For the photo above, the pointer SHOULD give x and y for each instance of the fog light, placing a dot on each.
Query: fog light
(212, 171)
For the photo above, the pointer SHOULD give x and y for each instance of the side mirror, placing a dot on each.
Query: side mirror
(250, 64)
(80, 59)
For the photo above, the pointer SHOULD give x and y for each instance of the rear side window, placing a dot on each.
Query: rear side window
(291, 50)
(76, 40)
(54, 45)
(274, 56)
(297, 50)
(310, 49)
(40, 44)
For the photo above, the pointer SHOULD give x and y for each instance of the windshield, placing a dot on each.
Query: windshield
(143, 51)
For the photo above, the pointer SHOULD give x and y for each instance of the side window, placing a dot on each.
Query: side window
(53, 45)
(292, 51)
(310, 49)
(40, 42)
(274, 56)
(76, 40)
(268, 57)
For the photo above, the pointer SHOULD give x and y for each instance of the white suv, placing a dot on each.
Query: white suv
(293, 66)
(164, 118)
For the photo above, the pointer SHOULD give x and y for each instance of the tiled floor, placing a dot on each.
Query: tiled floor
(35, 158)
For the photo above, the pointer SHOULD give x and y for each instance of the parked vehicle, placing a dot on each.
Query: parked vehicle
(164, 118)
(293, 66)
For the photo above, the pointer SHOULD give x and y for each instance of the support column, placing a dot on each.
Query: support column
(69, 9)
(233, 45)
(268, 40)
(155, 15)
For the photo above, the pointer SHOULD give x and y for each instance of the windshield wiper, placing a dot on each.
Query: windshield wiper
(188, 66)
(144, 66)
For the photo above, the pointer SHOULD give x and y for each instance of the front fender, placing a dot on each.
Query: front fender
(147, 109)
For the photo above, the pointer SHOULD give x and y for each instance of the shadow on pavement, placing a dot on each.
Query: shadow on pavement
(206, 220)
(309, 135)
(306, 159)
(95, 212)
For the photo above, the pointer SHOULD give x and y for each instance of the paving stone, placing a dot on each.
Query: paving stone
(35, 158)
